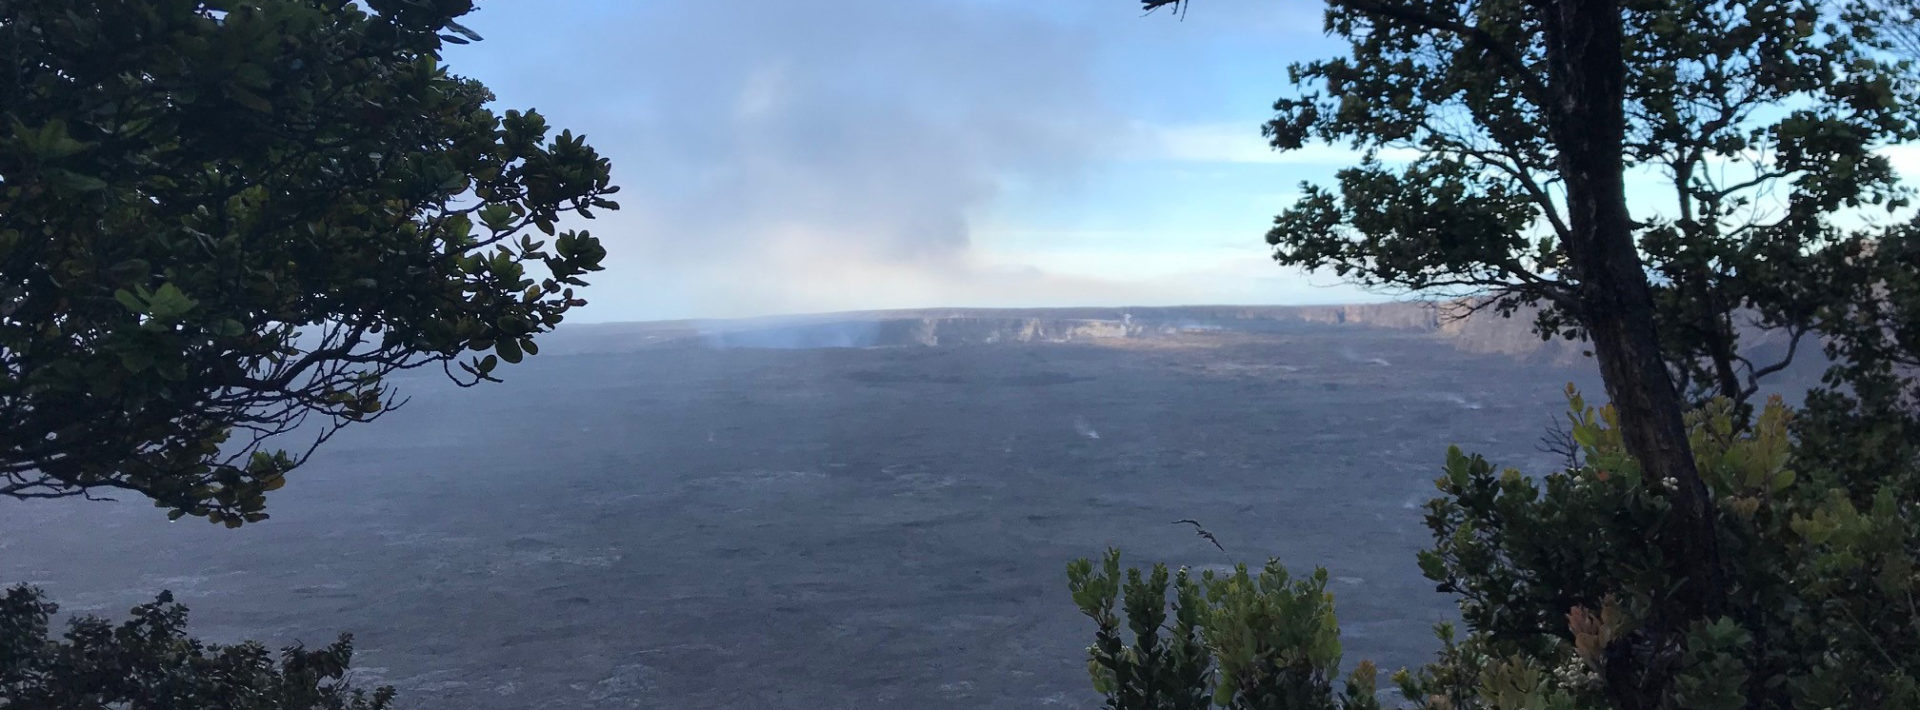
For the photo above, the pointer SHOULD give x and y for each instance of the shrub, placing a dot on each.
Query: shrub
(149, 663)
(1558, 589)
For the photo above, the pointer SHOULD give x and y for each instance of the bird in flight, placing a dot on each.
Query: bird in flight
(1202, 532)
(1179, 6)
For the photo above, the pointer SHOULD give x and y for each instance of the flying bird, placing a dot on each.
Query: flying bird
(1202, 532)
(1179, 6)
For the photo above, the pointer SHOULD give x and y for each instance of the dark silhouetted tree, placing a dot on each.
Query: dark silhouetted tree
(148, 662)
(1763, 203)
(1757, 123)
(225, 223)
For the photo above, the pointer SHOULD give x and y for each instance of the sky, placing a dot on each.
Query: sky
(777, 156)
(780, 156)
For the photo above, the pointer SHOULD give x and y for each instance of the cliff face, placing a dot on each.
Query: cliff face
(925, 331)
(1485, 333)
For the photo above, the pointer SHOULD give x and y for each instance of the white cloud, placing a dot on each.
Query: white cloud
(775, 158)
(762, 92)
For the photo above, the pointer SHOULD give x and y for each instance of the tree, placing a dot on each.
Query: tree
(1752, 128)
(1760, 119)
(150, 662)
(223, 224)
(1761, 122)
(1897, 22)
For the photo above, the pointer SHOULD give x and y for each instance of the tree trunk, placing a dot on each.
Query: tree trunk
(1586, 115)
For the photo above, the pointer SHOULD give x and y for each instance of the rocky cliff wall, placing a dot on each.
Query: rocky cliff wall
(1484, 333)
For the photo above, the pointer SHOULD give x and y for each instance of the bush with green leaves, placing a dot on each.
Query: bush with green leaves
(1243, 640)
(149, 663)
(1557, 587)
(1555, 572)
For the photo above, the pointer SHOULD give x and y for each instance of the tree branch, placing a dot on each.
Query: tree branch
(1525, 76)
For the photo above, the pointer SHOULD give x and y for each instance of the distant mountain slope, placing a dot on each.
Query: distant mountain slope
(1485, 333)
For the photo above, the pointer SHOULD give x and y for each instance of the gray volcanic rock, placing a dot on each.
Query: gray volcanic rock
(1486, 333)
(834, 511)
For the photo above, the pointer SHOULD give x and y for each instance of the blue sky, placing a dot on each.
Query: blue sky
(780, 157)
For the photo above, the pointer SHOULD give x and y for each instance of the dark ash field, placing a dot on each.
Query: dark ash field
(734, 516)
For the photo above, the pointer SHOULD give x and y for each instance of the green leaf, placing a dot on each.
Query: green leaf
(462, 29)
(1586, 436)
(1783, 480)
(132, 269)
(497, 217)
(1432, 566)
(136, 360)
(132, 302)
(249, 99)
(76, 181)
(508, 349)
(169, 303)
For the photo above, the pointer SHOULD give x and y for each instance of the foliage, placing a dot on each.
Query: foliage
(1821, 612)
(1156, 672)
(1559, 588)
(1899, 20)
(1752, 126)
(1241, 640)
(148, 662)
(222, 223)
(1727, 558)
